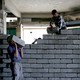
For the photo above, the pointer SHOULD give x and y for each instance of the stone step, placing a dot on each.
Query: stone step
(59, 42)
(3, 46)
(51, 47)
(57, 60)
(5, 75)
(74, 32)
(38, 52)
(7, 78)
(52, 55)
(3, 36)
(61, 37)
(55, 57)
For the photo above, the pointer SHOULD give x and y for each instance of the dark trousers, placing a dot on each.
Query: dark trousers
(56, 30)
(12, 70)
(16, 69)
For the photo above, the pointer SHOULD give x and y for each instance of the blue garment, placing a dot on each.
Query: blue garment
(15, 65)
(11, 50)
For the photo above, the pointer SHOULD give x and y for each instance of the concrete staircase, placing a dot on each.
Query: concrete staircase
(3, 57)
(55, 57)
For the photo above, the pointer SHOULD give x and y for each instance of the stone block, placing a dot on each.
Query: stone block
(54, 70)
(42, 79)
(66, 31)
(65, 78)
(48, 75)
(60, 75)
(18, 40)
(54, 61)
(76, 46)
(36, 65)
(26, 74)
(54, 79)
(75, 79)
(71, 75)
(65, 61)
(29, 78)
(76, 61)
(43, 61)
(3, 36)
(36, 75)
(73, 66)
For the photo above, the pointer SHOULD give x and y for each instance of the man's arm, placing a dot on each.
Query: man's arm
(16, 51)
(51, 23)
(8, 50)
(21, 51)
(61, 22)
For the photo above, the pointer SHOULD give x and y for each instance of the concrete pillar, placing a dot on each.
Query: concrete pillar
(1, 18)
(3, 15)
(4, 23)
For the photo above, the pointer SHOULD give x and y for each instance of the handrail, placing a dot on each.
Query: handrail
(35, 41)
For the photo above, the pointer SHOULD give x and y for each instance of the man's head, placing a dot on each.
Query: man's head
(9, 39)
(54, 12)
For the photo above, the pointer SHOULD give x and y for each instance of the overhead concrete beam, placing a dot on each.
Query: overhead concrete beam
(36, 15)
(11, 7)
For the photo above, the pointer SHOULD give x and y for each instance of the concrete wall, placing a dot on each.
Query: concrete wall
(55, 57)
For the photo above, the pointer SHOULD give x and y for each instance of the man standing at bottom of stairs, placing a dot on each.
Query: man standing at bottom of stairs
(16, 53)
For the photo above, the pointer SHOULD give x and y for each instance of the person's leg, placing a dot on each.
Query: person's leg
(63, 28)
(16, 71)
(51, 30)
(21, 72)
(56, 30)
(12, 69)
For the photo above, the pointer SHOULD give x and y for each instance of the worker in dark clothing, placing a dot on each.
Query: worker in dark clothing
(58, 21)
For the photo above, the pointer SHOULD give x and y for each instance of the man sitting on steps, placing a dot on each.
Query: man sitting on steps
(59, 22)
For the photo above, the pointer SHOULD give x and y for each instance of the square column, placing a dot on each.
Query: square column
(3, 15)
